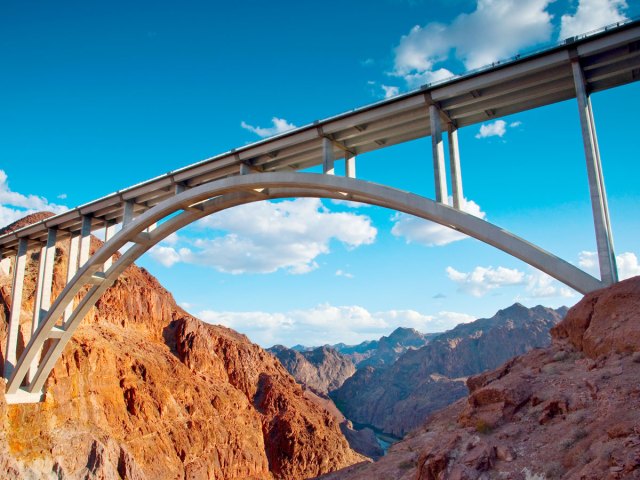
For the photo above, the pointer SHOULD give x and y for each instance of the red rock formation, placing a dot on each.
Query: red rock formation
(319, 371)
(398, 398)
(571, 410)
(145, 391)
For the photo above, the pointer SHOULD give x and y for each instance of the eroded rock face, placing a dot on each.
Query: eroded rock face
(145, 391)
(321, 369)
(399, 398)
(571, 410)
(597, 325)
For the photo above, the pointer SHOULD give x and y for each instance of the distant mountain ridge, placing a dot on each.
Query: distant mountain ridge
(383, 351)
(399, 397)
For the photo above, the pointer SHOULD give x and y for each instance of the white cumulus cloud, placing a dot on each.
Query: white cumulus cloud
(14, 205)
(425, 232)
(591, 15)
(280, 125)
(495, 30)
(541, 285)
(627, 262)
(627, 265)
(494, 129)
(481, 280)
(267, 236)
(329, 324)
(390, 91)
(166, 256)
(588, 261)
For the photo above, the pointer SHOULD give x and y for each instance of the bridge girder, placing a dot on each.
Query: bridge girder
(573, 69)
(238, 190)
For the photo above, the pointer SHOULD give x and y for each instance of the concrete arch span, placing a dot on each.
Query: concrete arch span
(198, 202)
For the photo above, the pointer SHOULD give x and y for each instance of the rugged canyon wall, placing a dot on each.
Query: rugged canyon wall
(398, 398)
(146, 391)
(321, 369)
(570, 411)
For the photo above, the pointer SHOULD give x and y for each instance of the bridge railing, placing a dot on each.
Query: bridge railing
(528, 53)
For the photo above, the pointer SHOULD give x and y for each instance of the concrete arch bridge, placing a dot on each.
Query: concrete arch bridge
(274, 168)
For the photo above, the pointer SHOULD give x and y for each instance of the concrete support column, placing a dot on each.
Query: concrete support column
(109, 232)
(72, 267)
(85, 240)
(43, 291)
(127, 212)
(327, 157)
(454, 167)
(439, 172)
(350, 165)
(601, 178)
(604, 236)
(16, 307)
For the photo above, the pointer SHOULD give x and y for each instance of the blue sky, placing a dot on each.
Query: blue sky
(98, 96)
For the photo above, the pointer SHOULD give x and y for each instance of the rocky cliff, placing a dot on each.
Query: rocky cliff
(398, 398)
(571, 410)
(145, 391)
(322, 369)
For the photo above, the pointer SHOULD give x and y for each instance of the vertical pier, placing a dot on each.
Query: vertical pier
(598, 194)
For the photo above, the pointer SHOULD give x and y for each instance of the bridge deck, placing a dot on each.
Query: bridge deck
(609, 59)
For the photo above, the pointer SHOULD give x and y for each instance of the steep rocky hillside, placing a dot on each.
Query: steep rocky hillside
(322, 369)
(145, 391)
(569, 411)
(398, 398)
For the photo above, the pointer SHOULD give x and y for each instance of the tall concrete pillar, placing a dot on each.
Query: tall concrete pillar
(327, 157)
(439, 172)
(601, 177)
(85, 240)
(454, 167)
(11, 359)
(127, 211)
(43, 291)
(72, 267)
(350, 165)
(602, 224)
(109, 232)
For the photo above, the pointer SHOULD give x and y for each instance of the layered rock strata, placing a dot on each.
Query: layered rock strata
(146, 391)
